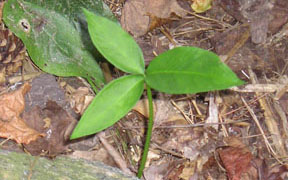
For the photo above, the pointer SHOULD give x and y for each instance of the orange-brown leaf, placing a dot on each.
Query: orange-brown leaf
(236, 161)
(11, 125)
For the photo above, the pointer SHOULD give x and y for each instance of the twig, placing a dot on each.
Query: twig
(117, 158)
(245, 36)
(270, 121)
(179, 109)
(254, 117)
(196, 107)
(263, 88)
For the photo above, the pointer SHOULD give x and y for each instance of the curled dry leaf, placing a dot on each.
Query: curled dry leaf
(200, 6)
(11, 125)
(138, 17)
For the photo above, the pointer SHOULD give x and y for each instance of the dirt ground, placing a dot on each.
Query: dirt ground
(240, 133)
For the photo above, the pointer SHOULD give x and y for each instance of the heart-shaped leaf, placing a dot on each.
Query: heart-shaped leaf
(54, 35)
(189, 70)
(112, 103)
(116, 45)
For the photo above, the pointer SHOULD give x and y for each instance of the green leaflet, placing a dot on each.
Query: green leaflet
(189, 70)
(113, 102)
(117, 46)
(54, 35)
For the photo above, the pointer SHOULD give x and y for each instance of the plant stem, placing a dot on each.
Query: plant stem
(92, 85)
(149, 133)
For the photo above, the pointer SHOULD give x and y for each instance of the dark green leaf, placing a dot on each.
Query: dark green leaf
(189, 70)
(113, 102)
(117, 46)
(54, 35)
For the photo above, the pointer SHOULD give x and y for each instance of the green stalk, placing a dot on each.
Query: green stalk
(92, 85)
(149, 133)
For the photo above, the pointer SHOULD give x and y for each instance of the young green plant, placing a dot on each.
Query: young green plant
(181, 70)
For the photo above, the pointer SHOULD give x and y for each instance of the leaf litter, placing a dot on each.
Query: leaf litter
(189, 147)
(12, 126)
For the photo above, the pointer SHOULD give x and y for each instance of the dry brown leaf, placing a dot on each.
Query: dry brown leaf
(236, 158)
(140, 16)
(11, 125)
(134, 18)
(163, 8)
(163, 111)
(53, 121)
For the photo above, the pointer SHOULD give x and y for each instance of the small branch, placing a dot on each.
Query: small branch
(117, 158)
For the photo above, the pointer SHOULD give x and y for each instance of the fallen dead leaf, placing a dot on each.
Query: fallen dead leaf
(160, 170)
(163, 111)
(142, 107)
(163, 8)
(55, 123)
(236, 158)
(278, 172)
(138, 17)
(11, 125)
(96, 155)
(134, 18)
(188, 170)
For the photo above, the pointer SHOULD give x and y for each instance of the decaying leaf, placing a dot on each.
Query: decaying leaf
(11, 125)
(134, 18)
(55, 123)
(200, 6)
(163, 8)
(138, 17)
(142, 107)
(236, 158)
(163, 111)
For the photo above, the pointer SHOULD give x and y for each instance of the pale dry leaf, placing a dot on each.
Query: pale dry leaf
(157, 171)
(163, 111)
(11, 125)
(140, 16)
(134, 18)
(164, 8)
(189, 170)
(80, 99)
(142, 107)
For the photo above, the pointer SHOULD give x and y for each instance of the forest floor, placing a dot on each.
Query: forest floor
(239, 133)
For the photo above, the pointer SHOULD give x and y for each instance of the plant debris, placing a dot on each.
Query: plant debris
(12, 126)
(236, 134)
